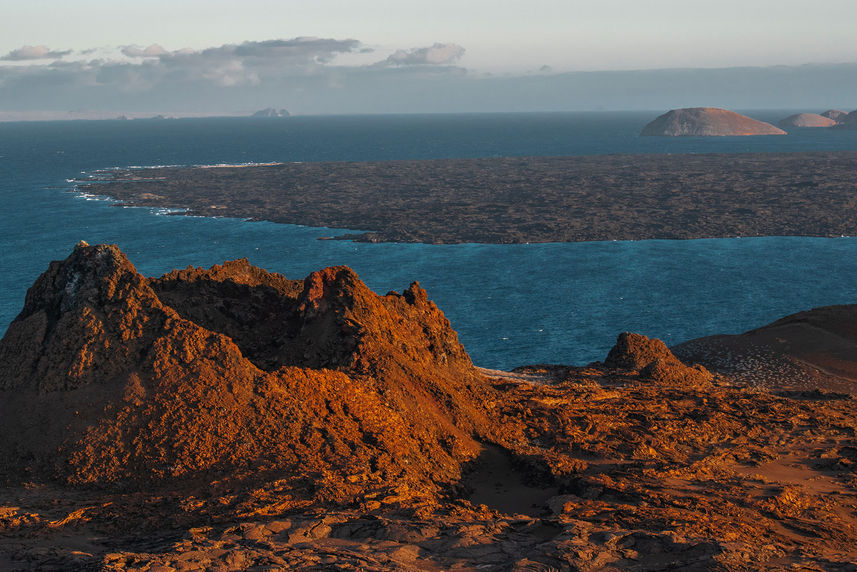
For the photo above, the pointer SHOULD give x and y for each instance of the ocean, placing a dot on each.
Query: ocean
(511, 304)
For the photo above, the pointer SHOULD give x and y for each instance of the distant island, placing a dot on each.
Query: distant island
(707, 122)
(716, 122)
(807, 120)
(835, 114)
(519, 200)
(270, 112)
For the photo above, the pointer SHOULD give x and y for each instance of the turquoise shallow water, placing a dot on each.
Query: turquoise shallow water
(511, 304)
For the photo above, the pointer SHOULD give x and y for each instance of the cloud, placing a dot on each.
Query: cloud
(33, 53)
(433, 55)
(321, 50)
(132, 77)
(152, 51)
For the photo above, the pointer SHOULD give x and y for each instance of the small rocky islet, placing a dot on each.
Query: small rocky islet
(231, 418)
(707, 122)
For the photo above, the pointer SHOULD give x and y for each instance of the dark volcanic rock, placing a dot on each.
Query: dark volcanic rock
(516, 200)
(807, 120)
(707, 122)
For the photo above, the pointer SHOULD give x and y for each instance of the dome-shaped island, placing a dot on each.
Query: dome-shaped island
(707, 122)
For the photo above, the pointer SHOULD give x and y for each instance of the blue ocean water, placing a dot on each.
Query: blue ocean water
(511, 304)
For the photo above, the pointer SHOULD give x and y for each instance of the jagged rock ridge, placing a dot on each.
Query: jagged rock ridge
(707, 122)
(109, 376)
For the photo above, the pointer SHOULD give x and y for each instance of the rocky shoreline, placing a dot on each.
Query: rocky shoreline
(518, 200)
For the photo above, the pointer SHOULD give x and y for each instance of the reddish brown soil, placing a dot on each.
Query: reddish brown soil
(516, 200)
(230, 419)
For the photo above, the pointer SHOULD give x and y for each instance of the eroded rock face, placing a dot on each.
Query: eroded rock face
(707, 122)
(108, 376)
(654, 361)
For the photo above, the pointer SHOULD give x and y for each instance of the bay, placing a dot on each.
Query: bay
(511, 304)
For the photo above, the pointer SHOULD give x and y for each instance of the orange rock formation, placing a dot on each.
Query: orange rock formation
(231, 419)
(112, 377)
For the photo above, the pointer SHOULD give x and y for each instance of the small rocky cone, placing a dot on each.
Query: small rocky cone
(107, 376)
(654, 361)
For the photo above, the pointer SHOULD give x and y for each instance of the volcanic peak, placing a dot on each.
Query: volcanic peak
(707, 122)
(112, 377)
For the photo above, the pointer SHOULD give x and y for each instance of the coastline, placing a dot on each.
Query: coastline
(517, 200)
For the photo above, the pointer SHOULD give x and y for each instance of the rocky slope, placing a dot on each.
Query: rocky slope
(110, 377)
(707, 122)
(229, 419)
(816, 349)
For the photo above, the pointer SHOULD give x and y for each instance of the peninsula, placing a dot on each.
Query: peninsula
(518, 200)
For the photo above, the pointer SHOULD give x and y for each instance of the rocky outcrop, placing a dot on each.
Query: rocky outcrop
(107, 376)
(807, 120)
(707, 122)
(652, 360)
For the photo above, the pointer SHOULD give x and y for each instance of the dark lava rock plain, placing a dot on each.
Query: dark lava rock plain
(518, 200)
(232, 419)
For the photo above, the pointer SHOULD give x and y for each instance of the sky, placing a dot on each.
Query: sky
(341, 56)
